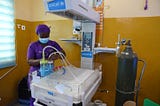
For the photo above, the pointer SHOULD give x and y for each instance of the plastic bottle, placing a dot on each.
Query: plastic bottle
(43, 68)
(50, 66)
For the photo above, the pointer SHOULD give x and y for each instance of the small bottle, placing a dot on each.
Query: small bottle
(43, 68)
(50, 66)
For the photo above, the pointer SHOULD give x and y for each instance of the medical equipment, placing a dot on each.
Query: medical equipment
(74, 9)
(62, 89)
(77, 10)
(88, 44)
(67, 86)
(126, 76)
(71, 85)
(46, 67)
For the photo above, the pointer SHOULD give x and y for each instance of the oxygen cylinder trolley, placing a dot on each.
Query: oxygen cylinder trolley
(126, 75)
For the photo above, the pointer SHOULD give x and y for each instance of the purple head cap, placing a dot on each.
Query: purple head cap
(42, 28)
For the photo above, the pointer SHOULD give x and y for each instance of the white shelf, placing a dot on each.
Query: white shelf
(104, 50)
(76, 41)
(96, 49)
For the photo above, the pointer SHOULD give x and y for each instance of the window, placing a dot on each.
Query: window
(7, 34)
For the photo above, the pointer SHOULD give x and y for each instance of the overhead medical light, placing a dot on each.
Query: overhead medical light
(74, 9)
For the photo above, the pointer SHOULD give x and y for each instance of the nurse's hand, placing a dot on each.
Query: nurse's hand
(54, 57)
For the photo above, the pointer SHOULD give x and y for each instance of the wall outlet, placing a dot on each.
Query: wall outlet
(23, 27)
(20, 26)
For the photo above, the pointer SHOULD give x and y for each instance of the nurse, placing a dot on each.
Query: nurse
(34, 54)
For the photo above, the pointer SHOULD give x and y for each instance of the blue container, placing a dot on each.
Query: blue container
(46, 68)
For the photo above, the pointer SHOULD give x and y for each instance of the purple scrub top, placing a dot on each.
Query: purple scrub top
(35, 52)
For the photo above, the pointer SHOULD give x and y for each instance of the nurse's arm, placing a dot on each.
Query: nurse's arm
(34, 62)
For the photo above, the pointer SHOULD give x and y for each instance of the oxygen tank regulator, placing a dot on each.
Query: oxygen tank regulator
(126, 75)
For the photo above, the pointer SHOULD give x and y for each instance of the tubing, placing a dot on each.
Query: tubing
(64, 59)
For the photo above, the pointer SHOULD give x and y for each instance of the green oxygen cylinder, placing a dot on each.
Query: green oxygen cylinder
(126, 75)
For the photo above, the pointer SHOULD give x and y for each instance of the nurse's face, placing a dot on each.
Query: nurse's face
(44, 35)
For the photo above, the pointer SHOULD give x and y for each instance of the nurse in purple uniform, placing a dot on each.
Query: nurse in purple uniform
(34, 54)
